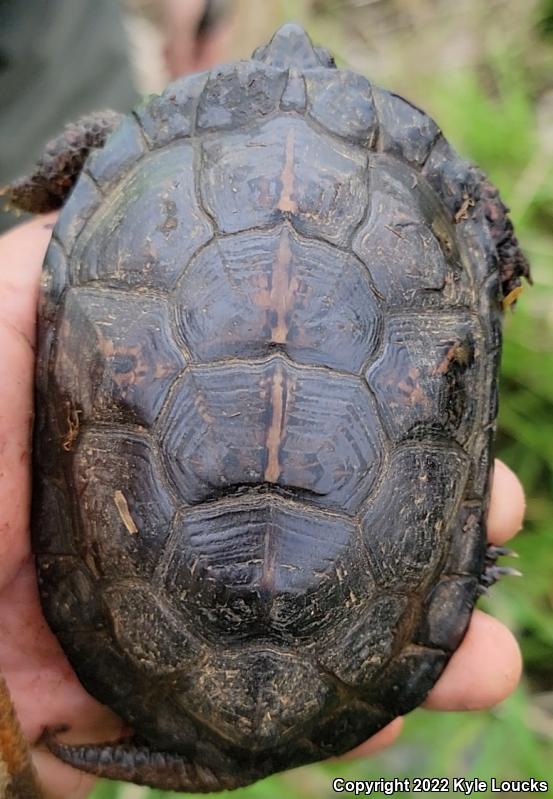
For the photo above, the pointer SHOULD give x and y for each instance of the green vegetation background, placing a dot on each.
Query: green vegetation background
(484, 70)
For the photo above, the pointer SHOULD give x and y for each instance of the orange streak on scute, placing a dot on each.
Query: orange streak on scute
(274, 433)
(286, 203)
(282, 289)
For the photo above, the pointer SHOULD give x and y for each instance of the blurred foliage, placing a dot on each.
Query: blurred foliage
(546, 20)
(484, 71)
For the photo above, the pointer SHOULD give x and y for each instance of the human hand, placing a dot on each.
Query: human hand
(45, 691)
(185, 50)
(487, 666)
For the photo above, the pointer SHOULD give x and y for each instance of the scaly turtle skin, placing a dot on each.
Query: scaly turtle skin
(266, 393)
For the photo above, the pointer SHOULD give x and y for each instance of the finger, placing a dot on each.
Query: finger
(212, 47)
(44, 689)
(60, 781)
(507, 505)
(482, 672)
(381, 740)
(21, 255)
(181, 22)
(22, 252)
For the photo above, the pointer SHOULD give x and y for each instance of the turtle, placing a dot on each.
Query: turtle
(266, 392)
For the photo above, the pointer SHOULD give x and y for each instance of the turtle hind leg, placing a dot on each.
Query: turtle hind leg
(130, 762)
(46, 188)
(492, 572)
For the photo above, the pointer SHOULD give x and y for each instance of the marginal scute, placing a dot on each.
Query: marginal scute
(491, 310)
(491, 383)
(482, 445)
(70, 591)
(405, 131)
(342, 102)
(425, 379)
(46, 335)
(236, 93)
(125, 510)
(170, 117)
(163, 716)
(150, 228)
(99, 663)
(467, 551)
(474, 235)
(126, 146)
(115, 357)
(481, 464)
(406, 525)
(50, 426)
(451, 177)
(51, 524)
(247, 294)
(348, 726)
(285, 170)
(53, 281)
(409, 678)
(446, 616)
(238, 424)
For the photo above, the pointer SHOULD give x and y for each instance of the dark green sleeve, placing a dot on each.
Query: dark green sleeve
(59, 59)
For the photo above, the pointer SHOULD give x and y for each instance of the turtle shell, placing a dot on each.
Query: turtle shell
(269, 339)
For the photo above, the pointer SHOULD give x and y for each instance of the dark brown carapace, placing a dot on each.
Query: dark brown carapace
(272, 306)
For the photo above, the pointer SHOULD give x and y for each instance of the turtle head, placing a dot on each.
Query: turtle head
(292, 47)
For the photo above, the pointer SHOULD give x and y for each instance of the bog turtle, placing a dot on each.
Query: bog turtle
(269, 331)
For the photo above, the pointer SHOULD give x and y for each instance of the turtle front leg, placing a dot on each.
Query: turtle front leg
(512, 262)
(47, 187)
(130, 762)
(492, 572)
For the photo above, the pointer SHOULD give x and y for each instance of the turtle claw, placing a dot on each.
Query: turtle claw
(492, 573)
(494, 552)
